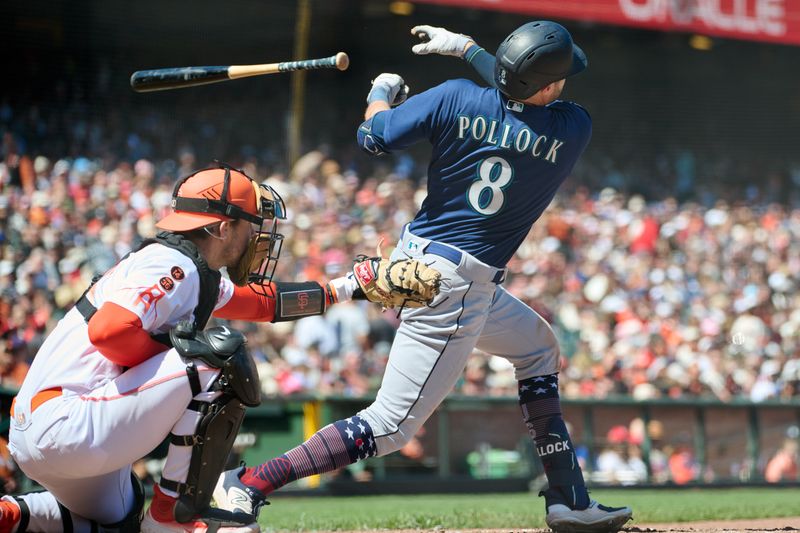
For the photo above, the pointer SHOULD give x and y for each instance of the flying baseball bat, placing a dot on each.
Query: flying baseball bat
(143, 81)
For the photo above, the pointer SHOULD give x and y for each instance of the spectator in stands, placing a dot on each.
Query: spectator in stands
(783, 466)
(683, 468)
(649, 299)
(8, 469)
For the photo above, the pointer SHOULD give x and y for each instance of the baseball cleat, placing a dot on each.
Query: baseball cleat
(160, 518)
(212, 521)
(596, 518)
(233, 495)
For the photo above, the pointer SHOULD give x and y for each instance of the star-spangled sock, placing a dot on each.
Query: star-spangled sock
(336, 445)
(541, 410)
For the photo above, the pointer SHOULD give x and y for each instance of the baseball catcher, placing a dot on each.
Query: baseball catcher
(133, 364)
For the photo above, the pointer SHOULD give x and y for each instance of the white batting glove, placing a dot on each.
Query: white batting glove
(388, 87)
(439, 41)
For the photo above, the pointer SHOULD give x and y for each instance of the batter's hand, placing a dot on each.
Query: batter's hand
(403, 283)
(439, 41)
(390, 88)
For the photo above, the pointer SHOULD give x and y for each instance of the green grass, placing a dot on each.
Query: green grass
(516, 511)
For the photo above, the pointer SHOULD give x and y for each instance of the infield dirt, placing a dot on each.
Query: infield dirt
(716, 526)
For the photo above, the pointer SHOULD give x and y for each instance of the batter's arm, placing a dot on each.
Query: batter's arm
(482, 61)
(442, 41)
(375, 107)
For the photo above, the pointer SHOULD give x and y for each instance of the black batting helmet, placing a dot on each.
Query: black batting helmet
(535, 55)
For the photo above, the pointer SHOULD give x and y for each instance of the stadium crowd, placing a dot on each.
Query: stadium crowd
(652, 300)
(647, 299)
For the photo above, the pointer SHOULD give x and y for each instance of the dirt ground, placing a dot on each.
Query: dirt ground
(727, 526)
(762, 524)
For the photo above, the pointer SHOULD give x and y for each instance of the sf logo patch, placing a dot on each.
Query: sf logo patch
(177, 273)
(166, 283)
(302, 300)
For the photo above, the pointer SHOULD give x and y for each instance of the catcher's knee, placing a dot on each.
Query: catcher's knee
(133, 520)
(130, 523)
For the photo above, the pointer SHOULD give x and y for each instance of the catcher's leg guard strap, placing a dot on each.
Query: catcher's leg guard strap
(25, 515)
(66, 519)
(210, 447)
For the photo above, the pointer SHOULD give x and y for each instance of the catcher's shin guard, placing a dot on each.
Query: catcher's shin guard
(221, 419)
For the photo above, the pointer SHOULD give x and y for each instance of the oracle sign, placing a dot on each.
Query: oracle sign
(746, 16)
(763, 20)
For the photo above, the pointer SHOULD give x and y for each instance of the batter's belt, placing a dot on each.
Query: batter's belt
(468, 266)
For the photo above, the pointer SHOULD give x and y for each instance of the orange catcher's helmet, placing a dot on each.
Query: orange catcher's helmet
(217, 194)
(221, 194)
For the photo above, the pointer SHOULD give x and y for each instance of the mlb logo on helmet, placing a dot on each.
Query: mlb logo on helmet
(501, 76)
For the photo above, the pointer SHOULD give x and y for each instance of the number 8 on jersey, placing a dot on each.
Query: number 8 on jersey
(485, 195)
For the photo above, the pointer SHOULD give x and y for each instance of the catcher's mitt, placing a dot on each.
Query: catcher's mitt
(404, 283)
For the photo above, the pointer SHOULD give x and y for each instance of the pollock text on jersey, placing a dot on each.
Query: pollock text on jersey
(491, 131)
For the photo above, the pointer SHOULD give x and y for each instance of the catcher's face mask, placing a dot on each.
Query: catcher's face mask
(219, 194)
(258, 263)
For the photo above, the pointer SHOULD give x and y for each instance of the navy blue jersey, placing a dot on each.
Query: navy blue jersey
(495, 167)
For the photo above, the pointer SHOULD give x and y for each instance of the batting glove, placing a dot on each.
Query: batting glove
(388, 87)
(439, 41)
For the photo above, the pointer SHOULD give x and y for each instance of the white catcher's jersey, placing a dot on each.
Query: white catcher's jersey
(158, 284)
(80, 444)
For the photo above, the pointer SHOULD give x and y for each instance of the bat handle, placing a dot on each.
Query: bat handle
(423, 36)
(339, 61)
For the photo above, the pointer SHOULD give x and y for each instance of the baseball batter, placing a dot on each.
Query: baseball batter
(131, 365)
(499, 155)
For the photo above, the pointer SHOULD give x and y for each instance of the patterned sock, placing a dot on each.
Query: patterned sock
(541, 410)
(334, 446)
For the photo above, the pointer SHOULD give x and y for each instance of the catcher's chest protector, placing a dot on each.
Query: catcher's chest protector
(209, 281)
(209, 278)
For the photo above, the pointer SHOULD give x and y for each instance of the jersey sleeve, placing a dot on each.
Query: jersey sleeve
(583, 123)
(242, 303)
(411, 122)
(483, 62)
(160, 287)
